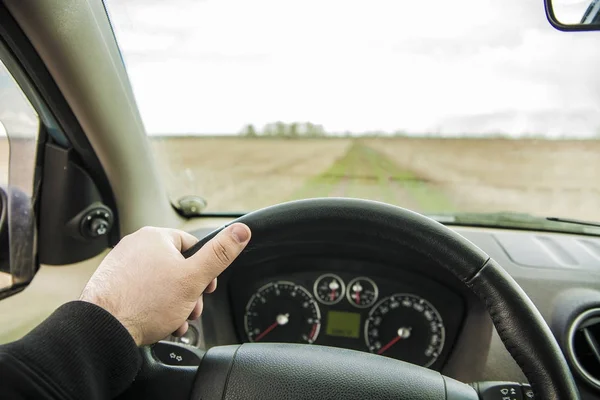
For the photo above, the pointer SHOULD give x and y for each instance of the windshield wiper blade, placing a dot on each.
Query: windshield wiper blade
(574, 221)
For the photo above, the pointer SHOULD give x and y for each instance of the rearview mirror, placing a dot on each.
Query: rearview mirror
(574, 15)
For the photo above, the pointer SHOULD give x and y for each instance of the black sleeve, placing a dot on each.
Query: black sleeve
(80, 352)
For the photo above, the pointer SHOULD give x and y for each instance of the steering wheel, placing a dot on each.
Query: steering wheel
(288, 371)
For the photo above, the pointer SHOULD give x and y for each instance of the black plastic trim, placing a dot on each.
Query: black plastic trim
(68, 192)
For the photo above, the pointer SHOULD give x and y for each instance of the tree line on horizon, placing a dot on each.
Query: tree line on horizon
(293, 130)
(304, 130)
(281, 129)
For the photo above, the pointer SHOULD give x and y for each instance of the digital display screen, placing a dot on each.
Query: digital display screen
(344, 324)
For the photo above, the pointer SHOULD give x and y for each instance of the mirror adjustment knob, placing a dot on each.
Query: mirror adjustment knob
(98, 227)
(96, 222)
(500, 391)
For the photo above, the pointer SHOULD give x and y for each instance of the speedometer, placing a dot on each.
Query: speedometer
(282, 312)
(406, 327)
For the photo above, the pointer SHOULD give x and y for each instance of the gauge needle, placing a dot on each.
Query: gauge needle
(403, 333)
(281, 319)
(357, 288)
(333, 285)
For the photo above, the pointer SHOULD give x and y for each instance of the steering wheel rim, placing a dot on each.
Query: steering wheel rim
(520, 326)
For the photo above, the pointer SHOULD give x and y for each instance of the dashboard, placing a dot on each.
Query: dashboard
(351, 304)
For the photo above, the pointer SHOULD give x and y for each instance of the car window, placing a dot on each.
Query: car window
(4, 155)
(19, 128)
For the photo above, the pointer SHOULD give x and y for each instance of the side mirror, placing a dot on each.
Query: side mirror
(20, 178)
(574, 15)
(17, 241)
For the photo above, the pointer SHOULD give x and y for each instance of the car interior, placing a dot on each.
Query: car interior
(336, 295)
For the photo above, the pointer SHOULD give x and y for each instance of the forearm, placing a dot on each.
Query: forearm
(80, 351)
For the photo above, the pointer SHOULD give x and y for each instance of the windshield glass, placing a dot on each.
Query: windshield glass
(472, 106)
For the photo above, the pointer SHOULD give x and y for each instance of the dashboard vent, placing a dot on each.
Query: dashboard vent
(584, 346)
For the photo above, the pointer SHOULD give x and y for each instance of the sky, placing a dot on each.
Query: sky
(17, 116)
(446, 67)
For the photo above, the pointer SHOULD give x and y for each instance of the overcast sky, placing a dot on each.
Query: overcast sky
(17, 116)
(446, 66)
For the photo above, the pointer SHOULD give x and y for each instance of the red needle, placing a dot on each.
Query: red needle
(264, 333)
(332, 295)
(357, 297)
(390, 344)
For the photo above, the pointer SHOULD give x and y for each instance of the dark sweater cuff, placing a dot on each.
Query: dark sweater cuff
(83, 349)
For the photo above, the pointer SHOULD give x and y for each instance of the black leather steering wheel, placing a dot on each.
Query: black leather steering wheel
(280, 371)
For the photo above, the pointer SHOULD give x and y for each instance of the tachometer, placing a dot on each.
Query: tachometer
(405, 327)
(282, 312)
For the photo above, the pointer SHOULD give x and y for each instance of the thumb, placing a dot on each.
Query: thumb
(218, 253)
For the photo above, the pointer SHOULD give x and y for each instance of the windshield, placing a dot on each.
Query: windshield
(461, 106)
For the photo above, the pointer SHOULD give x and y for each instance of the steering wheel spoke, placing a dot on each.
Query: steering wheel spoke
(293, 371)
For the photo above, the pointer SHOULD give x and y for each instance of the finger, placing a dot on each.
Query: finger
(182, 240)
(218, 253)
(212, 286)
(197, 311)
(181, 330)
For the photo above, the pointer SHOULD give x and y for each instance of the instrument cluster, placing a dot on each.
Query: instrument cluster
(387, 316)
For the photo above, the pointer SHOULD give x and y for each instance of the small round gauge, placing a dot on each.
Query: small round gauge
(405, 327)
(282, 312)
(329, 289)
(362, 292)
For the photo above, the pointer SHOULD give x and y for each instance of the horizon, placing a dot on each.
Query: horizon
(408, 135)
